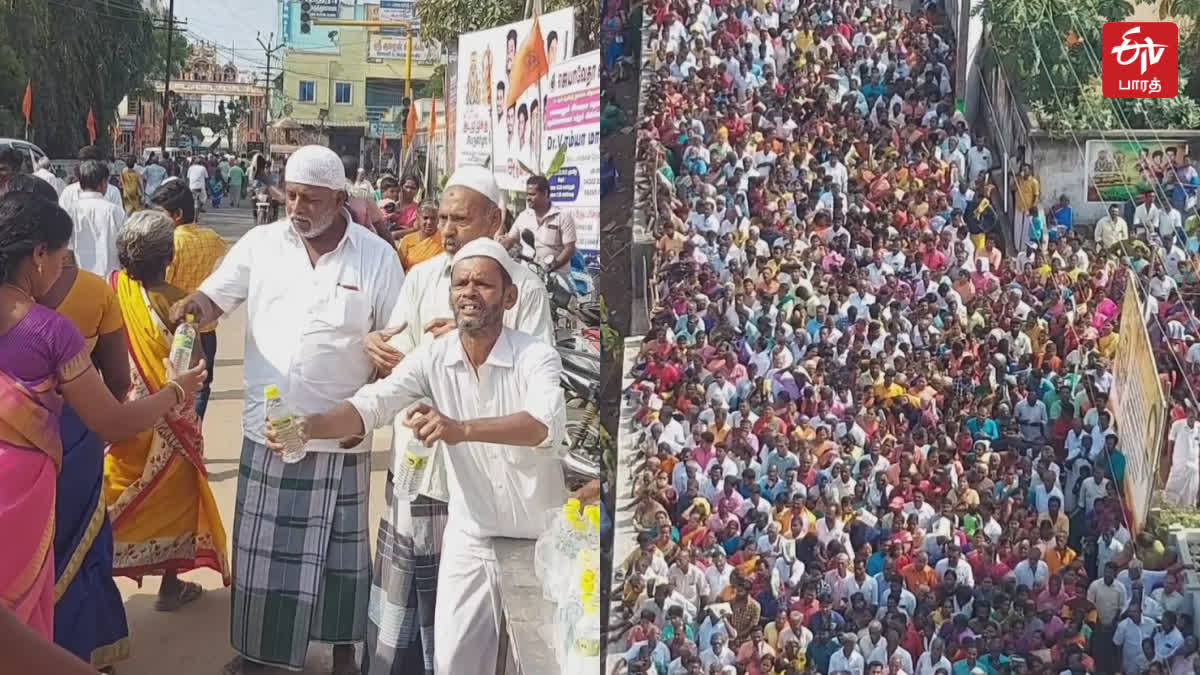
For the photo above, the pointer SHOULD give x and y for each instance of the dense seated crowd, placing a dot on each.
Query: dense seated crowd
(872, 440)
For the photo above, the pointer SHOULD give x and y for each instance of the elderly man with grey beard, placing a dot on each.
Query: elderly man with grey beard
(491, 395)
(314, 285)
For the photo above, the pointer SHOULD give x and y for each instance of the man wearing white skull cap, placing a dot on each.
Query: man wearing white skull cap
(314, 286)
(410, 534)
(491, 395)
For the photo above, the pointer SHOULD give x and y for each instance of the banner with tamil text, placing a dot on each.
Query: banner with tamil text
(1137, 406)
(573, 120)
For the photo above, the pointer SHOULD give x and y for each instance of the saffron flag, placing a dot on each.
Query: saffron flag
(91, 126)
(410, 125)
(27, 104)
(529, 65)
(432, 119)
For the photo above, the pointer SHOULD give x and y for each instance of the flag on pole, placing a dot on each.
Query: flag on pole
(91, 126)
(27, 104)
(530, 64)
(433, 118)
(408, 59)
(410, 125)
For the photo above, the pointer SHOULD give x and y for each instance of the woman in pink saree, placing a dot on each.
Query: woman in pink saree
(44, 361)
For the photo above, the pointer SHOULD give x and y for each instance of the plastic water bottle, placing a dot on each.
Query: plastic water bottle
(279, 418)
(181, 346)
(412, 468)
(583, 656)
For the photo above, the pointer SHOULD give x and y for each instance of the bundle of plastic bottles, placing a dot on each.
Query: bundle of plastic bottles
(567, 562)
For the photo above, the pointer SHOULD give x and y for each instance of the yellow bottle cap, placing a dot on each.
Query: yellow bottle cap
(591, 512)
(191, 318)
(271, 391)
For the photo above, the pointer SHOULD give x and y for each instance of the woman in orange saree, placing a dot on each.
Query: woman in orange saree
(164, 518)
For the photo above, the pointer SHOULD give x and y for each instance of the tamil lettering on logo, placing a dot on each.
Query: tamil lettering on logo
(1140, 59)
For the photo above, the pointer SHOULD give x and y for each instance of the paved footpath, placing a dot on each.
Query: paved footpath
(195, 639)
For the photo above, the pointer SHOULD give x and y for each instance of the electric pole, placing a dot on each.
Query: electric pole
(270, 48)
(166, 99)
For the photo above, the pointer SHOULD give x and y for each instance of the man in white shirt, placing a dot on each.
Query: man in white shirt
(979, 160)
(492, 396)
(154, 174)
(70, 194)
(554, 231)
(1129, 635)
(197, 178)
(933, 659)
(44, 172)
(718, 575)
(469, 211)
(300, 537)
(847, 659)
(97, 221)
(1111, 229)
(688, 579)
(717, 652)
(1183, 482)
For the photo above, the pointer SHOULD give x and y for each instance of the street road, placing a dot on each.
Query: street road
(195, 639)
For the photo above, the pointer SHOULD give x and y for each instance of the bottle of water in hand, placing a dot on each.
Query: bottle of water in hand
(279, 418)
(184, 341)
(412, 468)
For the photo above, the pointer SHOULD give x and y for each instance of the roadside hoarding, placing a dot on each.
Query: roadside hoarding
(1117, 171)
(488, 132)
(1137, 406)
(573, 119)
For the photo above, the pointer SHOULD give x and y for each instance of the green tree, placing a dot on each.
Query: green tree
(1050, 50)
(227, 119)
(445, 20)
(435, 86)
(81, 55)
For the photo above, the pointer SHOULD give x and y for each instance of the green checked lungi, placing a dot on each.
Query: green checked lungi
(301, 556)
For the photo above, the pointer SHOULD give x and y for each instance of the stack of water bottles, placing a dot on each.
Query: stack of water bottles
(567, 562)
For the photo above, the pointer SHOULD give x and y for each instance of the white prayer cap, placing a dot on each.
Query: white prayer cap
(477, 178)
(318, 166)
(485, 247)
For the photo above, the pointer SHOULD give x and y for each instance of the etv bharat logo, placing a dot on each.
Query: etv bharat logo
(1140, 59)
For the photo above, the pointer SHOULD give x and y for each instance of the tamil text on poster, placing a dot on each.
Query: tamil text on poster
(573, 120)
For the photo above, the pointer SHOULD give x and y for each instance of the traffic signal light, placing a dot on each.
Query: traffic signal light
(305, 17)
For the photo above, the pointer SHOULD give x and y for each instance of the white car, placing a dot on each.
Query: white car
(32, 152)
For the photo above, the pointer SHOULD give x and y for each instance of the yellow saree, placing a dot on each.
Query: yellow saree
(155, 484)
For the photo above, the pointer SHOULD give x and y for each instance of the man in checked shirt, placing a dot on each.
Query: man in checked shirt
(197, 252)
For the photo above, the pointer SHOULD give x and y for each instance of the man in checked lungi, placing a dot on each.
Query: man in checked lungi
(314, 284)
(491, 396)
(408, 551)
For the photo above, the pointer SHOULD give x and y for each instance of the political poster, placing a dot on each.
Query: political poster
(1137, 406)
(491, 129)
(572, 116)
(1116, 171)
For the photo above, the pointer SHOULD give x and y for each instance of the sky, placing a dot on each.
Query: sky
(232, 25)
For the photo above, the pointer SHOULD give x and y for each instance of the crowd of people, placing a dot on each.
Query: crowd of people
(102, 457)
(873, 438)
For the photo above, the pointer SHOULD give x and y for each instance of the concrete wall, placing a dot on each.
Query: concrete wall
(970, 51)
(1059, 165)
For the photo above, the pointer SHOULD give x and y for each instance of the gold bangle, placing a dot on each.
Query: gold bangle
(179, 392)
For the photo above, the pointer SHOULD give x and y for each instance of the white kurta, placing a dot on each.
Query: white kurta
(1183, 483)
(98, 223)
(305, 323)
(495, 490)
(426, 297)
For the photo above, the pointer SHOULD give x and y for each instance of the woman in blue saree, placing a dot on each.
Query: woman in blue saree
(89, 617)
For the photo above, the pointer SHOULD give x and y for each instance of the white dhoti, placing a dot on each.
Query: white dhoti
(467, 616)
(1183, 483)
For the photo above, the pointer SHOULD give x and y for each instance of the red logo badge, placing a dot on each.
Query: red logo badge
(1140, 59)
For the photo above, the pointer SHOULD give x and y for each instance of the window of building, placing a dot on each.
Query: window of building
(342, 93)
(308, 91)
